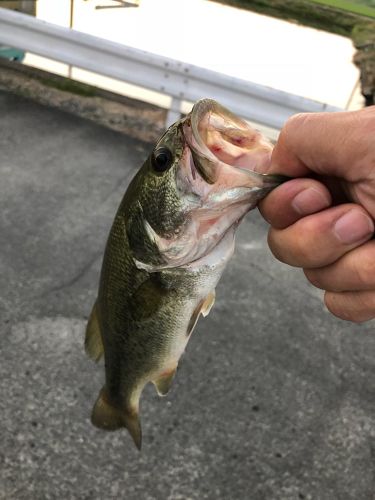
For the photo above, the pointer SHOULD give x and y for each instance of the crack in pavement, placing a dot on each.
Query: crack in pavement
(74, 279)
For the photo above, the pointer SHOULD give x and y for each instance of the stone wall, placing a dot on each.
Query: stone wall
(364, 41)
(26, 6)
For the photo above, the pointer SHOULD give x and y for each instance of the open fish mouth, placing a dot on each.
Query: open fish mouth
(226, 151)
(219, 140)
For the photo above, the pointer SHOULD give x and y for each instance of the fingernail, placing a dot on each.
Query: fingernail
(309, 201)
(353, 227)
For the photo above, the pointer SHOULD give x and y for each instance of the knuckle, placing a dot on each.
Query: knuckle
(292, 124)
(265, 207)
(313, 241)
(365, 121)
(274, 245)
(303, 246)
(366, 305)
(279, 244)
(336, 304)
(365, 270)
(356, 307)
(291, 247)
(295, 121)
(363, 150)
(314, 277)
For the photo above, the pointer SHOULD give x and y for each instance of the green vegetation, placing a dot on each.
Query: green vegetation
(336, 16)
(304, 12)
(363, 33)
(71, 86)
(355, 7)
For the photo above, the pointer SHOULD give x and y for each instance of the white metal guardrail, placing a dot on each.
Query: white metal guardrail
(181, 81)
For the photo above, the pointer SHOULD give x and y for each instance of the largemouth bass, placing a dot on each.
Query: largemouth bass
(170, 241)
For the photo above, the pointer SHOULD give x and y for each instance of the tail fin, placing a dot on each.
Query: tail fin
(108, 417)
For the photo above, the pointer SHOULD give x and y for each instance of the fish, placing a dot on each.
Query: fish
(170, 241)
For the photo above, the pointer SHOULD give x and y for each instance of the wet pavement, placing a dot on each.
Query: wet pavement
(274, 398)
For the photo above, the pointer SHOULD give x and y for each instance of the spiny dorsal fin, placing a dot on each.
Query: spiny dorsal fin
(93, 339)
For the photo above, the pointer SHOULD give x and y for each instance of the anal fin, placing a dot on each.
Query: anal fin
(93, 339)
(108, 417)
(164, 382)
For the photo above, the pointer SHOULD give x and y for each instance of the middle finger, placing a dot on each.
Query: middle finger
(355, 271)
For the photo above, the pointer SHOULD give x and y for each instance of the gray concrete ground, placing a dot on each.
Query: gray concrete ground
(274, 398)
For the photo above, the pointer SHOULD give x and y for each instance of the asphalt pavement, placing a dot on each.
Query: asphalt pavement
(273, 399)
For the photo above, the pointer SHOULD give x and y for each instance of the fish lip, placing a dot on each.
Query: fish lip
(205, 161)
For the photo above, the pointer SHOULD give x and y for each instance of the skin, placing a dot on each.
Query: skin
(323, 220)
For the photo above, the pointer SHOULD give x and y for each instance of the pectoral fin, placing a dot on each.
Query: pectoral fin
(164, 382)
(93, 339)
(204, 307)
(208, 303)
(147, 299)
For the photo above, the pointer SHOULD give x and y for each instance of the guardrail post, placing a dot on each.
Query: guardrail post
(28, 7)
(174, 112)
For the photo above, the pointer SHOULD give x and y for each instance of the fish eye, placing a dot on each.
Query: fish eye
(161, 159)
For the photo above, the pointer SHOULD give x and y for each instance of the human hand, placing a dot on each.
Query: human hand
(323, 220)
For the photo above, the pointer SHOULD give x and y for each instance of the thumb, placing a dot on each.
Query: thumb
(329, 144)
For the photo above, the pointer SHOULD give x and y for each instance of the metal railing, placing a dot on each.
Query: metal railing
(179, 80)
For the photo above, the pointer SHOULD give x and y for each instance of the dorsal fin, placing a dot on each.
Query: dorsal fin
(93, 339)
